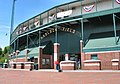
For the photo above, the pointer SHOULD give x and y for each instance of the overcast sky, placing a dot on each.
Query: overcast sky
(24, 9)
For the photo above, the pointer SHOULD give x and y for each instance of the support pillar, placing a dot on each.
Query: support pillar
(56, 53)
(40, 58)
(82, 30)
(82, 54)
(17, 52)
(67, 57)
(26, 58)
(14, 46)
(119, 62)
(115, 33)
(14, 55)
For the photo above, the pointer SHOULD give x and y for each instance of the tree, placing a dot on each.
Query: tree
(8, 49)
(0, 51)
(4, 54)
(5, 50)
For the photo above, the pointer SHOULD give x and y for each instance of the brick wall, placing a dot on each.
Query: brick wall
(20, 60)
(106, 57)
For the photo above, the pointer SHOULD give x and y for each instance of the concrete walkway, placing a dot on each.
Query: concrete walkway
(10, 76)
(52, 70)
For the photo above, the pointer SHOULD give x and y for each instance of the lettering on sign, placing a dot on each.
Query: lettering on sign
(70, 30)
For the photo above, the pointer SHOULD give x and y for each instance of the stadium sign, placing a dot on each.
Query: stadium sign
(64, 13)
(70, 30)
(60, 15)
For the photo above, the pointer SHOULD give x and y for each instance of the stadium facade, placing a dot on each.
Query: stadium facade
(85, 29)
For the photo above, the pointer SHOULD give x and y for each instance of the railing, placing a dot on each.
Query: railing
(63, 12)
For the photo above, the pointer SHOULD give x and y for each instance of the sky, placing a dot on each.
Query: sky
(24, 10)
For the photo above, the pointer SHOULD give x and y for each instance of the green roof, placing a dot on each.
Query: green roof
(22, 53)
(101, 44)
(33, 52)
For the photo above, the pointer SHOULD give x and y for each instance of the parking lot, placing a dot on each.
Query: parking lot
(53, 77)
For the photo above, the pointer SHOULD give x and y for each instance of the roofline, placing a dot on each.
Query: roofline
(101, 13)
(46, 11)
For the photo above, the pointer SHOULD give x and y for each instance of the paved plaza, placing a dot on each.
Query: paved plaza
(8, 76)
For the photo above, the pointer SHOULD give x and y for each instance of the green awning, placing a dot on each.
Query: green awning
(33, 52)
(101, 44)
(22, 53)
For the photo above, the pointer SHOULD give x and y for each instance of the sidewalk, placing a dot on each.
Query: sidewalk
(52, 70)
(10, 76)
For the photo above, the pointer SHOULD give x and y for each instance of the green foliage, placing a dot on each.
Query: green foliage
(5, 50)
(8, 49)
(4, 54)
(0, 51)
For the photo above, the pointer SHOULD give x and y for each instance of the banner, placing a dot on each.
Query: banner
(118, 1)
(52, 17)
(64, 13)
(88, 8)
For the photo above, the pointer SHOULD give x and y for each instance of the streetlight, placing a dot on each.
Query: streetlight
(12, 22)
(12, 17)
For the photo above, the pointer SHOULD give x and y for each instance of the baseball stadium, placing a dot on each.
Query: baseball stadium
(83, 31)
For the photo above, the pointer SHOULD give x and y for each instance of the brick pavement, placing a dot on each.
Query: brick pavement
(42, 77)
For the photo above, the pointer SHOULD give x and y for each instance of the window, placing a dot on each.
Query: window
(94, 57)
(45, 61)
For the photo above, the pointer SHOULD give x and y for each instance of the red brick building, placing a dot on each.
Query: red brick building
(87, 31)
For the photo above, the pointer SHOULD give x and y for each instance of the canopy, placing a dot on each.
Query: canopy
(102, 44)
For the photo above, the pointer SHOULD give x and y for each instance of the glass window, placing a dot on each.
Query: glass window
(94, 57)
(47, 61)
(43, 61)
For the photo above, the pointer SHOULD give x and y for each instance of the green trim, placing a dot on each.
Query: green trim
(34, 52)
(101, 13)
(39, 37)
(114, 23)
(21, 56)
(46, 26)
(69, 19)
(49, 10)
(56, 34)
(116, 48)
(22, 53)
(101, 44)
(82, 29)
(27, 40)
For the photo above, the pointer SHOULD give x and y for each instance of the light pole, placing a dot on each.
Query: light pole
(12, 20)
(12, 17)
(12, 25)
